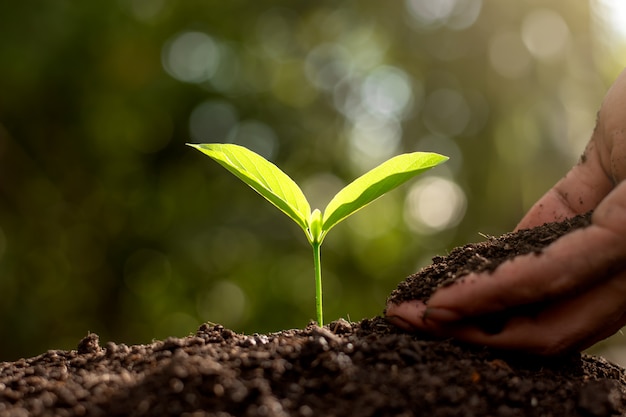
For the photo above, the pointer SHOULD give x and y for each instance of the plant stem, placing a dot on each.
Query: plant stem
(318, 282)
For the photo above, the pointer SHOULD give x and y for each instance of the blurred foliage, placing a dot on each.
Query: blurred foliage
(108, 223)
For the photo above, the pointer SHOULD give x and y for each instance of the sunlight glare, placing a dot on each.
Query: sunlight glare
(614, 11)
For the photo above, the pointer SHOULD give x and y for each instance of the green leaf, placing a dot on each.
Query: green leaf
(264, 177)
(375, 183)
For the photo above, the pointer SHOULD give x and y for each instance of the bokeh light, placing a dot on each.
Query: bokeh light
(455, 14)
(191, 57)
(387, 92)
(327, 65)
(545, 34)
(374, 139)
(434, 204)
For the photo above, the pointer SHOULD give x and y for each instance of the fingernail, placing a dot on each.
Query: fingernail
(400, 322)
(440, 314)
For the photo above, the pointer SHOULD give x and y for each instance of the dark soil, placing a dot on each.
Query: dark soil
(344, 369)
(483, 256)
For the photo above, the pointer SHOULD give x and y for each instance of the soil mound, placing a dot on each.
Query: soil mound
(367, 368)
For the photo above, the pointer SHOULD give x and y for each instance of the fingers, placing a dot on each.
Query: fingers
(408, 315)
(572, 324)
(612, 127)
(574, 262)
(580, 191)
(601, 167)
(569, 265)
(569, 296)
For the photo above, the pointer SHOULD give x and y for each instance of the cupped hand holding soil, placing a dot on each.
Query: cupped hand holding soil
(570, 295)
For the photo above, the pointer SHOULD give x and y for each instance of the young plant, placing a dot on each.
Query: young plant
(280, 190)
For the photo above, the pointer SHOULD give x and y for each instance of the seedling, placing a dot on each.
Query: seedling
(280, 190)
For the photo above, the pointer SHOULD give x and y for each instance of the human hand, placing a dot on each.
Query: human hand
(573, 293)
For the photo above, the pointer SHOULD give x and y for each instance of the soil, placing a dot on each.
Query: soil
(368, 368)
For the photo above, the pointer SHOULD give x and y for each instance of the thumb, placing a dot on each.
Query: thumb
(580, 191)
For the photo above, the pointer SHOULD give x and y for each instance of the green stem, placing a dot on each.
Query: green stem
(318, 283)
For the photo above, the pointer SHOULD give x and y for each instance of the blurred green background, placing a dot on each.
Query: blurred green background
(110, 224)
